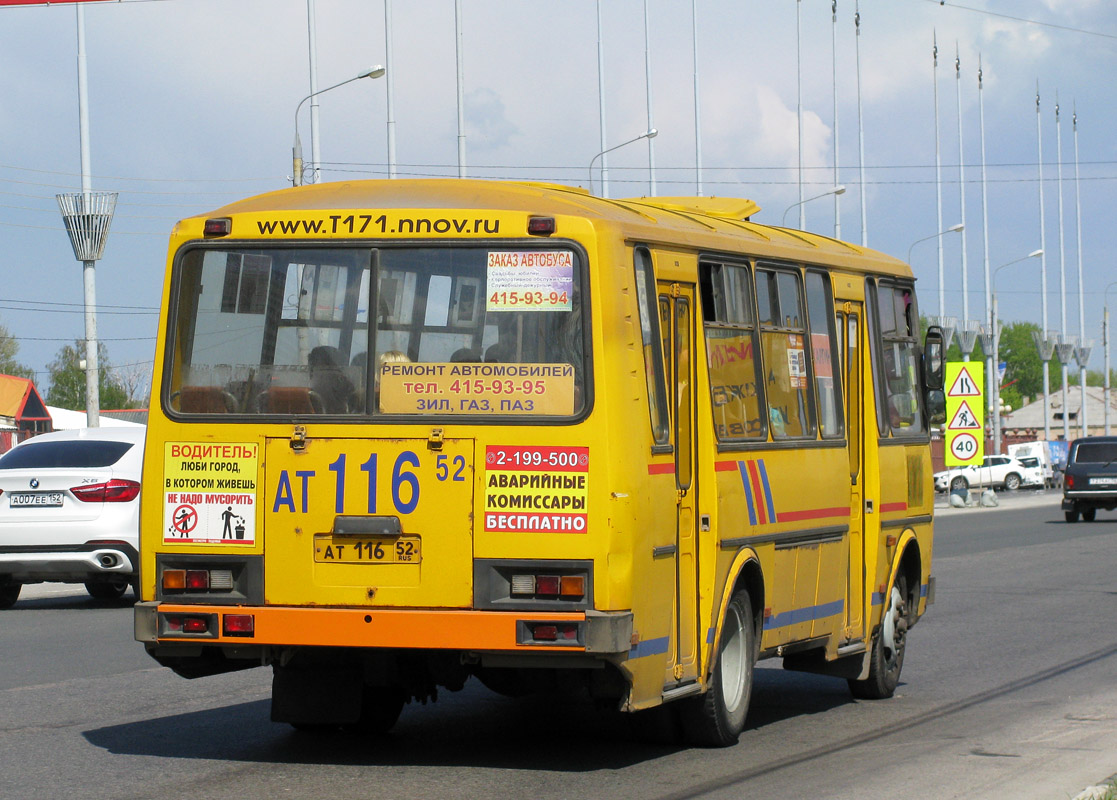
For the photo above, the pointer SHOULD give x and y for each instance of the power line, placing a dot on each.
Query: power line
(1025, 20)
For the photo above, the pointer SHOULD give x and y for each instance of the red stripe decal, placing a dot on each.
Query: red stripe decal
(888, 507)
(725, 466)
(815, 513)
(758, 493)
(663, 468)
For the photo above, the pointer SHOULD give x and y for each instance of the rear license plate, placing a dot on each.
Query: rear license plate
(1103, 481)
(330, 549)
(20, 499)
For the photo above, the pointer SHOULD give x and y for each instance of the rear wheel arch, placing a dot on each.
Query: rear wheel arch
(745, 575)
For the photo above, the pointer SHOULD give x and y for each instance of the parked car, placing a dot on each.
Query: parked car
(1090, 480)
(69, 511)
(995, 471)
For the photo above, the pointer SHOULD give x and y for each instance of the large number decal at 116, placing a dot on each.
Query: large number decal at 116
(296, 490)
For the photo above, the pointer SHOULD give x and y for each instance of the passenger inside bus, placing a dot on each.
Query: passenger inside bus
(328, 380)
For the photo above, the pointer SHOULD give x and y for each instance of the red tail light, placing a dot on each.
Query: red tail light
(114, 491)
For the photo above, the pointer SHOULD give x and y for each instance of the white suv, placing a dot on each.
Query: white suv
(997, 471)
(69, 511)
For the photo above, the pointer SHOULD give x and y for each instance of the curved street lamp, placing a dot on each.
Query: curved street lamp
(651, 133)
(952, 229)
(996, 336)
(835, 191)
(297, 150)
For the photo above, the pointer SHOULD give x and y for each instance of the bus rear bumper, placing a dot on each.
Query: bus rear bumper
(599, 632)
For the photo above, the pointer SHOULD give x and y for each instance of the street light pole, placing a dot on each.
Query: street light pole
(297, 149)
(835, 191)
(648, 134)
(1105, 345)
(996, 336)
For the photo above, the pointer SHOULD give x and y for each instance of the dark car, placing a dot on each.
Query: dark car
(1090, 480)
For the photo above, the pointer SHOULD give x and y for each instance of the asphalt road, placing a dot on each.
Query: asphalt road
(1009, 690)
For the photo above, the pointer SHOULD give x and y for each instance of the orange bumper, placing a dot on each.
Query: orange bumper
(355, 627)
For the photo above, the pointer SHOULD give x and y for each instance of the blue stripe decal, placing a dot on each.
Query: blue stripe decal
(650, 647)
(923, 589)
(767, 491)
(808, 614)
(710, 636)
(748, 491)
(878, 598)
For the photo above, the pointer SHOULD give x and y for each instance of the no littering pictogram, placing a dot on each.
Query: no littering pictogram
(185, 520)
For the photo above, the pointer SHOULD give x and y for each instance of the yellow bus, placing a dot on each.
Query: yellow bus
(405, 433)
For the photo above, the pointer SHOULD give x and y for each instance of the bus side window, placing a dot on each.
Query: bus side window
(731, 351)
(783, 338)
(824, 356)
(652, 345)
(899, 403)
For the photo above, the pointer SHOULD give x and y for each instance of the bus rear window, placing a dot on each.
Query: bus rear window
(452, 331)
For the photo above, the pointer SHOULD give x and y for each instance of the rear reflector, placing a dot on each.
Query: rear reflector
(197, 579)
(238, 624)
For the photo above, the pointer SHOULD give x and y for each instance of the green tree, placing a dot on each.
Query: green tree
(67, 379)
(9, 349)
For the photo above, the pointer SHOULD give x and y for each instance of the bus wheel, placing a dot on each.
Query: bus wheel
(380, 708)
(1088, 514)
(887, 658)
(717, 718)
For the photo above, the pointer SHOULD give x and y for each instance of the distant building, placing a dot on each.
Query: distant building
(1026, 423)
(22, 412)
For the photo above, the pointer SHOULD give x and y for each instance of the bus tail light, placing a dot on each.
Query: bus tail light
(560, 633)
(218, 226)
(541, 226)
(182, 623)
(198, 580)
(567, 587)
(238, 625)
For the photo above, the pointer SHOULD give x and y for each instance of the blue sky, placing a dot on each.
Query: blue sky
(192, 105)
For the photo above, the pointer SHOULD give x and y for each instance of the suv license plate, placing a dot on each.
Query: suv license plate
(1103, 481)
(21, 499)
(330, 549)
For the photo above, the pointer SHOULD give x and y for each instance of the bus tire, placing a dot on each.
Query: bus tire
(380, 709)
(887, 658)
(717, 718)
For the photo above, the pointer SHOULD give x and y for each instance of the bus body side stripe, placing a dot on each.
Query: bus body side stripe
(767, 491)
(748, 492)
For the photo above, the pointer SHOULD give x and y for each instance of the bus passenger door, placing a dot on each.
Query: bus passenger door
(849, 322)
(676, 310)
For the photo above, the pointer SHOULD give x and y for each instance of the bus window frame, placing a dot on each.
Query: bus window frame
(887, 432)
(661, 439)
(835, 357)
(810, 432)
(706, 261)
(171, 353)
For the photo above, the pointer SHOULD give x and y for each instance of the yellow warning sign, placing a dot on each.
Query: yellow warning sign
(965, 413)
